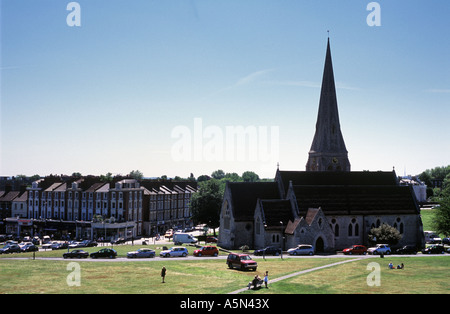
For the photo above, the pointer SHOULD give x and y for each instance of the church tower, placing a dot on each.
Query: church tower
(328, 152)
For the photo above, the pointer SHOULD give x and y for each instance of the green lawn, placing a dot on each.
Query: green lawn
(421, 275)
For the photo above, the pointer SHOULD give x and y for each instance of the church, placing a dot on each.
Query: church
(327, 205)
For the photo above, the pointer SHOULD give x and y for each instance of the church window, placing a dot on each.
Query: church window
(350, 230)
(320, 222)
(275, 238)
(258, 225)
(336, 230)
(356, 230)
(401, 228)
(378, 223)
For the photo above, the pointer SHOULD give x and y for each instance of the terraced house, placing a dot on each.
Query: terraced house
(88, 208)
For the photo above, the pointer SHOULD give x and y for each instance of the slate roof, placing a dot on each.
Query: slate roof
(356, 200)
(276, 211)
(335, 178)
(244, 196)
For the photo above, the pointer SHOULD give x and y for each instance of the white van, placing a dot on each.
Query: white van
(180, 238)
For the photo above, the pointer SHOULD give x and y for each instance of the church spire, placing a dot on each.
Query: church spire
(328, 151)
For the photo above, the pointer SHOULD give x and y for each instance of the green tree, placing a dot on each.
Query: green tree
(385, 234)
(206, 203)
(250, 176)
(441, 217)
(136, 174)
(218, 174)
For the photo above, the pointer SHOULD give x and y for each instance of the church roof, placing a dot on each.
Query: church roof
(244, 196)
(356, 200)
(276, 212)
(335, 178)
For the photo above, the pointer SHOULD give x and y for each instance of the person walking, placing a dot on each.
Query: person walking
(163, 274)
(266, 279)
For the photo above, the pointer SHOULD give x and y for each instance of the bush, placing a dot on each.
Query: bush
(385, 234)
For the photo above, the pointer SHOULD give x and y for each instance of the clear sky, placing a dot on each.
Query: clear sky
(155, 85)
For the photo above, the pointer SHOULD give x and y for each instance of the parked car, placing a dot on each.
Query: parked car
(270, 250)
(211, 239)
(175, 251)
(209, 250)
(355, 249)
(60, 245)
(76, 254)
(241, 261)
(118, 241)
(109, 253)
(48, 245)
(432, 237)
(434, 249)
(89, 243)
(143, 252)
(446, 241)
(407, 249)
(10, 248)
(379, 249)
(29, 247)
(302, 249)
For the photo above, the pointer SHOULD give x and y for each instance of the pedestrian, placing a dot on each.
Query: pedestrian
(163, 274)
(266, 279)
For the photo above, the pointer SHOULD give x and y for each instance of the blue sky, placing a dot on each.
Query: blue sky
(108, 95)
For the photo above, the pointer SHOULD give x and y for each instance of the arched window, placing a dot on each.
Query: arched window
(336, 230)
(350, 230)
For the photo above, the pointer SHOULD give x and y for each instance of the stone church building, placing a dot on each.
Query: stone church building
(328, 205)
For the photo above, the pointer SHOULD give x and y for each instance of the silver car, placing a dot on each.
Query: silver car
(302, 249)
(175, 251)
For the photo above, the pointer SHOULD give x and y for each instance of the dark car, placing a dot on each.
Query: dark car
(118, 241)
(270, 250)
(76, 254)
(407, 249)
(89, 243)
(434, 249)
(211, 239)
(59, 246)
(29, 248)
(108, 253)
(10, 248)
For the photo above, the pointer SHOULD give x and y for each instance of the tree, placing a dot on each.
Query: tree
(385, 234)
(250, 176)
(218, 174)
(136, 174)
(206, 203)
(441, 217)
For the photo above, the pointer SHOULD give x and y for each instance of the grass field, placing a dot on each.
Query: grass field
(421, 275)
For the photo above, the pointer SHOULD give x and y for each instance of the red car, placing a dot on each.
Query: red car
(241, 261)
(209, 250)
(356, 249)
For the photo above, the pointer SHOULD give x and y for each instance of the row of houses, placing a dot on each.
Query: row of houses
(89, 208)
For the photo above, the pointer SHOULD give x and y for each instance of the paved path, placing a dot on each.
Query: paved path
(300, 273)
